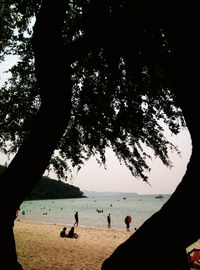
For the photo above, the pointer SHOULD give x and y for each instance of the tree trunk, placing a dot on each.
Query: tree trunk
(33, 156)
(161, 242)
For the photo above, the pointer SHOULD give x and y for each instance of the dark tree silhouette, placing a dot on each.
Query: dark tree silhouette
(164, 237)
(141, 50)
(33, 156)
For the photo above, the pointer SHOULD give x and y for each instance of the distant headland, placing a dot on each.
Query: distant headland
(49, 188)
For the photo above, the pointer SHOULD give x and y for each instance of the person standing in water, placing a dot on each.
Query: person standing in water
(127, 221)
(109, 220)
(76, 219)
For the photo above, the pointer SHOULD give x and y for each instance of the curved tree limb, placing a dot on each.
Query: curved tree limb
(161, 242)
(34, 154)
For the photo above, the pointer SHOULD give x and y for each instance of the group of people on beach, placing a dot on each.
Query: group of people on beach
(72, 234)
(127, 221)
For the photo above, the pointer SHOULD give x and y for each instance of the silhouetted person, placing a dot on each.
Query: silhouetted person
(76, 219)
(63, 233)
(127, 222)
(72, 234)
(109, 220)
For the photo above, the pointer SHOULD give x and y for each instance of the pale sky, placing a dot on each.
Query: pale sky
(117, 177)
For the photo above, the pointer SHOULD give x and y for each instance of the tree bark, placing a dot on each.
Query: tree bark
(33, 157)
(161, 242)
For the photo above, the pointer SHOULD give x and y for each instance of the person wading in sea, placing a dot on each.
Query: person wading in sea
(109, 220)
(76, 219)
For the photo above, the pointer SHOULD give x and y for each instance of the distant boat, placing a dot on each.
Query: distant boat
(159, 197)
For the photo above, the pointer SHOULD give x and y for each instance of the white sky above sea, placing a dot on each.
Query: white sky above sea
(163, 180)
(116, 177)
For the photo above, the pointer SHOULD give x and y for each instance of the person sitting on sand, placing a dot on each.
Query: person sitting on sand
(72, 234)
(63, 233)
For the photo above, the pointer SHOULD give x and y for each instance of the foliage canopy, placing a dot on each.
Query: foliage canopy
(119, 98)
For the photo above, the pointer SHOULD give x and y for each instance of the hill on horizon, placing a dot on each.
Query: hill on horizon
(48, 188)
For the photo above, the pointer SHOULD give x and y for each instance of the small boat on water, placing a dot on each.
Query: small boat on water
(159, 197)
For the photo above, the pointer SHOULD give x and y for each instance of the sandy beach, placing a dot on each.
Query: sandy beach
(39, 246)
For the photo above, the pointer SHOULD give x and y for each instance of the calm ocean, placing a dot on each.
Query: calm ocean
(61, 211)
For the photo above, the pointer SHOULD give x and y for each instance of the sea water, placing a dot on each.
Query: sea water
(93, 211)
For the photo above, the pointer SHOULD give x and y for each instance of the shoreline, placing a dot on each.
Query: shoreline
(79, 226)
(62, 211)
